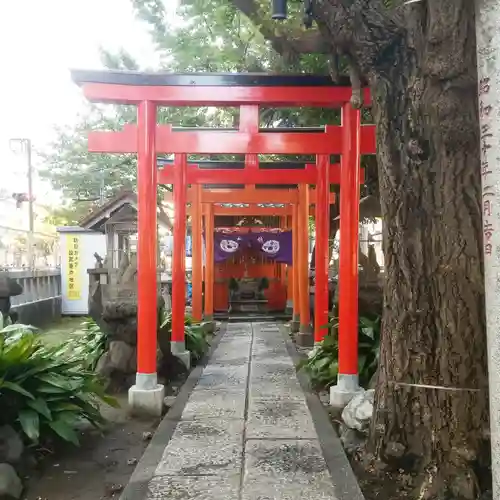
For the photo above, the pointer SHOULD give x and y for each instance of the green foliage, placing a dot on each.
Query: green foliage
(197, 342)
(166, 320)
(84, 177)
(46, 391)
(233, 284)
(263, 284)
(88, 344)
(208, 35)
(323, 361)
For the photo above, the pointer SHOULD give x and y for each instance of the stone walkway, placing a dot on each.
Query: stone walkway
(246, 432)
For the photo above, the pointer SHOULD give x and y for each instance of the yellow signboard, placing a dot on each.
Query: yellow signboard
(73, 291)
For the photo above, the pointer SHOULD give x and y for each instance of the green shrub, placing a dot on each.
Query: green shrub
(88, 344)
(323, 361)
(233, 284)
(195, 334)
(196, 340)
(263, 284)
(46, 391)
(166, 320)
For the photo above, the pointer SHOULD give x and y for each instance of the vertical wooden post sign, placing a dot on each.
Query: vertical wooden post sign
(488, 64)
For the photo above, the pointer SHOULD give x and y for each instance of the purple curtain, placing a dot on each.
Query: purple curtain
(276, 246)
(228, 244)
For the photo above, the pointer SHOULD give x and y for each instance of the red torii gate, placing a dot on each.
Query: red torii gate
(203, 202)
(248, 92)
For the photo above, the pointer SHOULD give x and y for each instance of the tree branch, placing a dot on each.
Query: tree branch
(363, 30)
(310, 42)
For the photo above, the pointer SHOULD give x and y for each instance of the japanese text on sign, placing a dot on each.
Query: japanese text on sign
(73, 287)
(486, 135)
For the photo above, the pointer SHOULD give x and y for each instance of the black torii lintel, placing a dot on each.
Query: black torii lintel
(122, 77)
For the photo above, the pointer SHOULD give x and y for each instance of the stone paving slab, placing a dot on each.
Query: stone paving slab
(286, 470)
(275, 371)
(246, 431)
(220, 404)
(272, 391)
(279, 419)
(224, 377)
(231, 355)
(194, 488)
(208, 448)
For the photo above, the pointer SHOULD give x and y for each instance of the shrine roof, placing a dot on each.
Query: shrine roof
(123, 77)
(100, 215)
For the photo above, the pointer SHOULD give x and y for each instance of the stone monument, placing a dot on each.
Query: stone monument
(113, 306)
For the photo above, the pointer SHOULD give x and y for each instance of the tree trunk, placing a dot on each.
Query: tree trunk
(431, 405)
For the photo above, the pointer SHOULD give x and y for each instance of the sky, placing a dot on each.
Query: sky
(40, 40)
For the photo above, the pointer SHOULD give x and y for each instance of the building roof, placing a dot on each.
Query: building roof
(98, 217)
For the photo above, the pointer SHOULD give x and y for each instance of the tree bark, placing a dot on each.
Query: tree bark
(431, 405)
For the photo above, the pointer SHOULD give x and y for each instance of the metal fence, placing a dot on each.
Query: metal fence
(37, 285)
(15, 252)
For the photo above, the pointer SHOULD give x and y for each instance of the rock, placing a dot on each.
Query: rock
(169, 401)
(10, 484)
(358, 412)
(167, 300)
(394, 450)
(103, 366)
(11, 445)
(132, 365)
(324, 397)
(351, 439)
(120, 355)
(110, 490)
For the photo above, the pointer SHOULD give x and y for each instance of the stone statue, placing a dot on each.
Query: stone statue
(113, 305)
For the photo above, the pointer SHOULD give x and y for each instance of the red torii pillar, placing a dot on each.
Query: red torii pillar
(209, 263)
(178, 343)
(146, 385)
(197, 256)
(295, 269)
(348, 378)
(322, 239)
(289, 274)
(282, 267)
(304, 337)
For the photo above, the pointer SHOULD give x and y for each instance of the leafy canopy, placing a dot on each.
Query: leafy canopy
(208, 35)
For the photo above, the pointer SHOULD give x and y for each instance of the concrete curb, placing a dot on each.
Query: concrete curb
(137, 487)
(344, 481)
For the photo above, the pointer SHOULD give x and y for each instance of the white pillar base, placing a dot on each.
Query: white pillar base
(179, 351)
(346, 388)
(295, 323)
(145, 398)
(305, 337)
